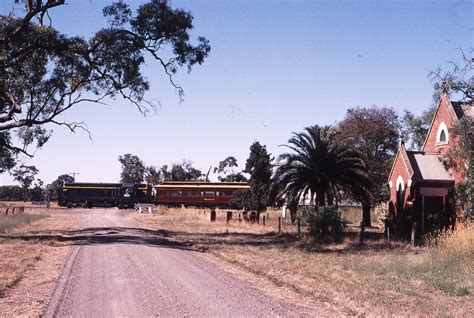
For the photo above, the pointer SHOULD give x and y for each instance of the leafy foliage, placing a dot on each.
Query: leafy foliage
(321, 221)
(259, 167)
(415, 128)
(133, 169)
(381, 213)
(226, 171)
(44, 72)
(459, 157)
(181, 172)
(372, 132)
(320, 165)
(25, 175)
(53, 188)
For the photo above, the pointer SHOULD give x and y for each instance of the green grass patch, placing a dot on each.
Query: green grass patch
(9, 222)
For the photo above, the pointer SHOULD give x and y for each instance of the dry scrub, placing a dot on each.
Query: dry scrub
(30, 264)
(375, 279)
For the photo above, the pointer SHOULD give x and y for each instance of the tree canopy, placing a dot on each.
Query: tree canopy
(373, 133)
(259, 166)
(320, 166)
(133, 169)
(226, 171)
(44, 72)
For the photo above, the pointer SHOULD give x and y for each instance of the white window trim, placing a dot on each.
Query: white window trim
(442, 127)
(400, 182)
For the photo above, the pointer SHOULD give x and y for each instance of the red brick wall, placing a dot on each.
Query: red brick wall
(442, 115)
(399, 169)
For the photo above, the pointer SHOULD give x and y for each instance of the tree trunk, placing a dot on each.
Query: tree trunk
(366, 213)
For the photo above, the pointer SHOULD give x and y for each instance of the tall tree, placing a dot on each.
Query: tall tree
(373, 132)
(133, 169)
(44, 73)
(25, 175)
(321, 166)
(259, 166)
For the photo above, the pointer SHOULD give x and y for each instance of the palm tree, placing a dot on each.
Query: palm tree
(320, 167)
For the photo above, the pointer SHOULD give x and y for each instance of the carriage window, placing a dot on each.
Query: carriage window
(226, 193)
(193, 193)
(209, 193)
(175, 193)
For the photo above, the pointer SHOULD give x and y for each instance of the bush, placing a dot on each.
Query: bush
(381, 213)
(322, 222)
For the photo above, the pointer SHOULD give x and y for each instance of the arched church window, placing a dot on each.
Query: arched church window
(442, 136)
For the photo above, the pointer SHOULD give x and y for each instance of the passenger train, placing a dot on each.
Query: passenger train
(126, 195)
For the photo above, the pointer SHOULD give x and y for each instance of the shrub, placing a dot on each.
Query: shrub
(323, 221)
(381, 213)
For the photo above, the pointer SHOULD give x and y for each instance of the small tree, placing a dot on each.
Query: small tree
(259, 167)
(54, 187)
(133, 169)
(25, 175)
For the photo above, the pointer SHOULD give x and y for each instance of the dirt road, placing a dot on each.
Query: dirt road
(117, 268)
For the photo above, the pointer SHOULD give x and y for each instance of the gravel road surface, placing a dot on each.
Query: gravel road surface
(117, 268)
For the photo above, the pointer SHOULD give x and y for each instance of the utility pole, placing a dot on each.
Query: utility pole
(73, 174)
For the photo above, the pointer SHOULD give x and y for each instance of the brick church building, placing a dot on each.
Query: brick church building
(420, 186)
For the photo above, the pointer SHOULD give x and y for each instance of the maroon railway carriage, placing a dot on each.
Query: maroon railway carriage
(213, 194)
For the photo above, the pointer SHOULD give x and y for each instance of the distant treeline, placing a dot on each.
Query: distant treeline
(17, 193)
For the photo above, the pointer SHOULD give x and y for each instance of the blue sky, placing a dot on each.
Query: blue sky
(275, 68)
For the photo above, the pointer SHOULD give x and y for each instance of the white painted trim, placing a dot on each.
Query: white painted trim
(409, 183)
(400, 182)
(390, 184)
(442, 127)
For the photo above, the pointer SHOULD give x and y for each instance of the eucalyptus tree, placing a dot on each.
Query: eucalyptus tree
(321, 167)
(374, 133)
(44, 72)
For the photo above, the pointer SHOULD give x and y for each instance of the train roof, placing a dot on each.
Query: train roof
(102, 185)
(202, 185)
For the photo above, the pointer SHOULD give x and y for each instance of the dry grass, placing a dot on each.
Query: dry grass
(375, 279)
(19, 259)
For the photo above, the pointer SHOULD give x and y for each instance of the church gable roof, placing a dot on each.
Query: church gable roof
(428, 167)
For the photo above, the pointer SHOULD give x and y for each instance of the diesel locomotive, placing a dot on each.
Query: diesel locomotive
(87, 195)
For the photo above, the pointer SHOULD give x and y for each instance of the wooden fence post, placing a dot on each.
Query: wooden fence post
(240, 219)
(299, 227)
(13, 210)
(361, 232)
(6, 211)
(413, 233)
(279, 224)
(213, 215)
(263, 219)
(229, 217)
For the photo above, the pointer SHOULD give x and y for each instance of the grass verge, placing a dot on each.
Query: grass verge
(9, 222)
(374, 279)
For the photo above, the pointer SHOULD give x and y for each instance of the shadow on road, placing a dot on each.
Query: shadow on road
(103, 235)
